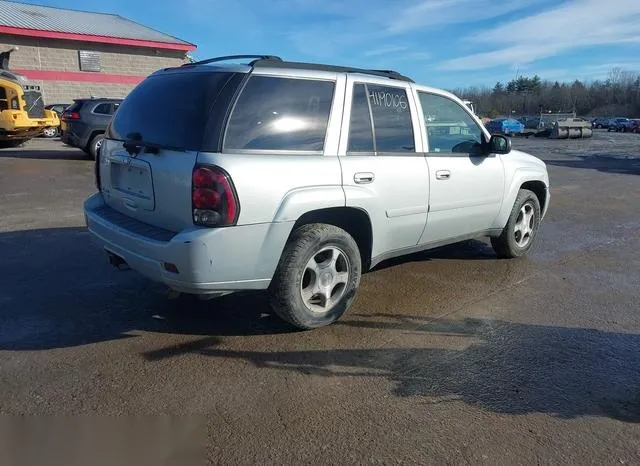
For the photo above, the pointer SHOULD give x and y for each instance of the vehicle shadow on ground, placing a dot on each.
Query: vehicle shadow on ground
(602, 164)
(70, 296)
(464, 250)
(504, 367)
(45, 154)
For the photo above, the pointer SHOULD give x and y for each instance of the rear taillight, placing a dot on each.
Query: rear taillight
(71, 116)
(213, 198)
(96, 170)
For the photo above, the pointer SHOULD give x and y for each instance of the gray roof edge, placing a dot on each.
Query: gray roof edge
(177, 39)
(170, 39)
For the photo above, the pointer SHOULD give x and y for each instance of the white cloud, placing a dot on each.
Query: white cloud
(439, 13)
(385, 50)
(359, 23)
(417, 56)
(603, 69)
(577, 24)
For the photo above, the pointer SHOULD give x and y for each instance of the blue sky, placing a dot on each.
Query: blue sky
(444, 43)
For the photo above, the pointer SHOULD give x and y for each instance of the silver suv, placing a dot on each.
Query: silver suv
(296, 178)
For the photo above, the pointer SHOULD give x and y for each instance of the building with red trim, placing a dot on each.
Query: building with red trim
(74, 54)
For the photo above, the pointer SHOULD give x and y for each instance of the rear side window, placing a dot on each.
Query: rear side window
(102, 109)
(360, 130)
(171, 110)
(391, 119)
(285, 114)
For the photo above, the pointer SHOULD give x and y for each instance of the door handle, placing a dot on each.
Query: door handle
(130, 204)
(364, 177)
(443, 174)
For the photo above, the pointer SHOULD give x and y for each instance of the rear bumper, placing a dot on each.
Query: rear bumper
(71, 139)
(14, 121)
(20, 134)
(208, 260)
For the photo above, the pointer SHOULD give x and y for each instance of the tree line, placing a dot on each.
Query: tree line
(616, 96)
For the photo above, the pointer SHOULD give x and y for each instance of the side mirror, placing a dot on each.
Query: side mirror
(499, 144)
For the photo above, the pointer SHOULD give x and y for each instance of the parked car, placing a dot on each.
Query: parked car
(295, 178)
(53, 131)
(84, 122)
(635, 126)
(530, 122)
(600, 123)
(58, 108)
(619, 124)
(505, 126)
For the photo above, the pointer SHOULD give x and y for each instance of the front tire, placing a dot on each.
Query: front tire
(519, 235)
(317, 277)
(50, 132)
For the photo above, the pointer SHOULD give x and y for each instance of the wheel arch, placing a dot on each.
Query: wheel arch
(92, 135)
(539, 188)
(524, 178)
(353, 220)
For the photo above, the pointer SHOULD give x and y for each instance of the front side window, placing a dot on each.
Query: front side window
(281, 114)
(450, 128)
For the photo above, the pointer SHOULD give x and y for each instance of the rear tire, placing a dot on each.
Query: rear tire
(519, 235)
(95, 144)
(317, 277)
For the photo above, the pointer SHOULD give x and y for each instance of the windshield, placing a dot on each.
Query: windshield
(169, 110)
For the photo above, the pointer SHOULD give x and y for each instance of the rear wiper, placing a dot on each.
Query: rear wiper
(134, 146)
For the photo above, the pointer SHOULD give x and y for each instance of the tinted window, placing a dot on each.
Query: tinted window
(391, 119)
(3, 99)
(103, 109)
(74, 107)
(280, 114)
(360, 133)
(169, 109)
(449, 127)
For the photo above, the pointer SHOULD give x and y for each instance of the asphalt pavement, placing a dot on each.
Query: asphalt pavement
(447, 357)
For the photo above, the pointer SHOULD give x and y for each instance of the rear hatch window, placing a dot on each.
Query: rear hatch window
(169, 110)
(74, 107)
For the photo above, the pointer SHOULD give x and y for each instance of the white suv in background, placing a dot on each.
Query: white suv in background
(296, 178)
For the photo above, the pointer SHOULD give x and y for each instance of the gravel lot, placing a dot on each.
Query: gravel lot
(447, 357)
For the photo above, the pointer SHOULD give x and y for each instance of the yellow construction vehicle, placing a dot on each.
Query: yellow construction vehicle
(22, 112)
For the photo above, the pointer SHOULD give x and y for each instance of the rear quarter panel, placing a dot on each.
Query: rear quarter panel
(280, 188)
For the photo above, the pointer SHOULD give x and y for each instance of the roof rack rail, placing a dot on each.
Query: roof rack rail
(235, 57)
(273, 61)
(279, 63)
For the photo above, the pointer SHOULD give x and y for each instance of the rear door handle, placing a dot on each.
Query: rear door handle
(443, 174)
(364, 177)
